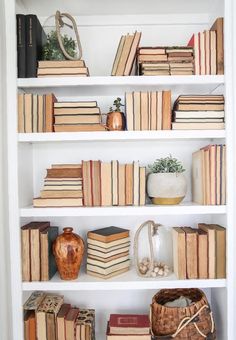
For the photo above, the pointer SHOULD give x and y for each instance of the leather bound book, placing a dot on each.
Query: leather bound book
(64, 173)
(129, 324)
(129, 182)
(108, 234)
(70, 323)
(60, 322)
(48, 264)
(191, 252)
(49, 116)
(21, 45)
(30, 325)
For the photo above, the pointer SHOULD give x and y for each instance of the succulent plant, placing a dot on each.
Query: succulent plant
(117, 103)
(167, 165)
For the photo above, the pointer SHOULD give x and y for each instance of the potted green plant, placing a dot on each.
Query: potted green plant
(166, 183)
(52, 50)
(115, 117)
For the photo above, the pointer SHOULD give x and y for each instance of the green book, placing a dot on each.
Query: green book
(48, 263)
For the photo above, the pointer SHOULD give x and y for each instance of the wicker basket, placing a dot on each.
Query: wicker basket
(194, 322)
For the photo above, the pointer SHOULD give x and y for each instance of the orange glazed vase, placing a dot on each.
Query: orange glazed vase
(68, 249)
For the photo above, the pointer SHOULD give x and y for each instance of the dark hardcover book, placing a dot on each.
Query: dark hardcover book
(108, 234)
(35, 39)
(48, 264)
(21, 45)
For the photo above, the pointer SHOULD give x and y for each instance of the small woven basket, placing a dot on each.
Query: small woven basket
(194, 322)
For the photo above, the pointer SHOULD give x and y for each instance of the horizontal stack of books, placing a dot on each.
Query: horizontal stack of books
(108, 252)
(128, 327)
(111, 183)
(62, 187)
(62, 68)
(199, 253)
(38, 263)
(165, 61)
(209, 49)
(126, 54)
(148, 110)
(35, 112)
(209, 175)
(198, 112)
(77, 116)
(46, 316)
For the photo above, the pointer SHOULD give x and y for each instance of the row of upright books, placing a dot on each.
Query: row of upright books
(199, 253)
(47, 317)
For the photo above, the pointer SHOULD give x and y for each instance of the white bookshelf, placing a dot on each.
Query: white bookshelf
(162, 23)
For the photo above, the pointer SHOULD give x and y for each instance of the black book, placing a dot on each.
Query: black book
(21, 45)
(35, 39)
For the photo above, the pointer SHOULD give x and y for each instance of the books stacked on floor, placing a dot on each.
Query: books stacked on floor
(46, 316)
(198, 112)
(148, 110)
(126, 54)
(38, 263)
(165, 61)
(209, 175)
(30, 41)
(77, 116)
(62, 187)
(112, 184)
(62, 68)
(209, 49)
(128, 327)
(35, 112)
(108, 252)
(199, 253)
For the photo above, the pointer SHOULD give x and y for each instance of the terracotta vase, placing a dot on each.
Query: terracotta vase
(115, 121)
(68, 249)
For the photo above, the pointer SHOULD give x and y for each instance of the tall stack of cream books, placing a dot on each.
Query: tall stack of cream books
(108, 252)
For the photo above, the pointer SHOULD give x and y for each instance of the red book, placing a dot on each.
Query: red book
(129, 324)
(194, 43)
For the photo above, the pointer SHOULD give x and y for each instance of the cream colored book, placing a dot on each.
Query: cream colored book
(129, 107)
(106, 184)
(179, 253)
(107, 264)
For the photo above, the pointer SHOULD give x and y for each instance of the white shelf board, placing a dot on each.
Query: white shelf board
(120, 136)
(129, 280)
(186, 208)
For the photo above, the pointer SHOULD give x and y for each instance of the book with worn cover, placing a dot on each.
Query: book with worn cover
(129, 324)
(108, 234)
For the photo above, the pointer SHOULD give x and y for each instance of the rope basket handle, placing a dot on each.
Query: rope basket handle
(60, 23)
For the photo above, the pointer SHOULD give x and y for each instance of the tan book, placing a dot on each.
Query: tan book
(64, 75)
(198, 126)
(153, 111)
(152, 57)
(63, 166)
(218, 174)
(213, 53)
(61, 193)
(202, 53)
(152, 50)
(223, 180)
(62, 71)
(106, 265)
(28, 112)
(211, 233)
(34, 113)
(70, 320)
(212, 174)
(60, 63)
(108, 259)
(98, 253)
(21, 108)
(57, 202)
(156, 72)
(137, 110)
(207, 49)
(118, 54)
(108, 276)
(136, 185)
(218, 27)
(25, 252)
(159, 110)
(41, 113)
(106, 184)
(198, 177)
(129, 182)
(202, 255)
(50, 99)
(79, 128)
(64, 173)
(60, 321)
(76, 111)
(75, 105)
(58, 189)
(29, 325)
(132, 53)
(129, 105)
(110, 244)
(142, 185)
(166, 110)
(220, 251)
(207, 175)
(109, 270)
(95, 167)
(78, 119)
(120, 246)
(191, 252)
(87, 184)
(200, 106)
(144, 111)
(51, 326)
(115, 183)
(121, 184)
(124, 55)
(179, 253)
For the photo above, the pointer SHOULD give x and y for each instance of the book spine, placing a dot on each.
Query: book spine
(21, 45)
(31, 46)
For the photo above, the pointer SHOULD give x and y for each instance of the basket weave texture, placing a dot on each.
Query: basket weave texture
(166, 320)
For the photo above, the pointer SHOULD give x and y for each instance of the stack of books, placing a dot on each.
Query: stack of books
(126, 54)
(128, 326)
(198, 112)
(148, 110)
(62, 187)
(77, 116)
(165, 61)
(35, 112)
(38, 263)
(112, 184)
(209, 49)
(46, 316)
(199, 253)
(62, 68)
(108, 252)
(209, 175)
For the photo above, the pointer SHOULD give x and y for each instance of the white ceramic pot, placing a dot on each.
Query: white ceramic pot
(166, 188)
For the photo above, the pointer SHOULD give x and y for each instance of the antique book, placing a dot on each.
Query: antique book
(118, 54)
(60, 63)
(199, 114)
(132, 53)
(129, 182)
(202, 53)
(121, 184)
(108, 234)
(78, 127)
(116, 240)
(129, 324)
(75, 104)
(95, 168)
(28, 113)
(213, 53)
(144, 111)
(60, 321)
(21, 45)
(108, 264)
(218, 173)
(179, 253)
(76, 110)
(108, 276)
(191, 252)
(202, 254)
(21, 120)
(70, 320)
(109, 270)
(106, 184)
(25, 252)
(55, 193)
(34, 301)
(87, 183)
(77, 119)
(198, 126)
(136, 185)
(103, 250)
(47, 259)
(218, 27)
(64, 173)
(151, 50)
(34, 113)
(115, 181)
(220, 235)
(57, 202)
(85, 324)
(29, 325)
(211, 233)
(41, 113)
(153, 57)
(106, 255)
(153, 111)
(124, 55)
(108, 259)
(66, 166)
(194, 42)
(223, 176)
(159, 110)
(137, 110)
(212, 174)
(142, 185)
(54, 71)
(50, 99)
(166, 110)
(129, 104)
(198, 177)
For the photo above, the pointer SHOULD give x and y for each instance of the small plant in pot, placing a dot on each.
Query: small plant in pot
(166, 183)
(116, 118)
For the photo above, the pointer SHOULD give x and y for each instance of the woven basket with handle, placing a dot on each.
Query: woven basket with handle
(194, 322)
